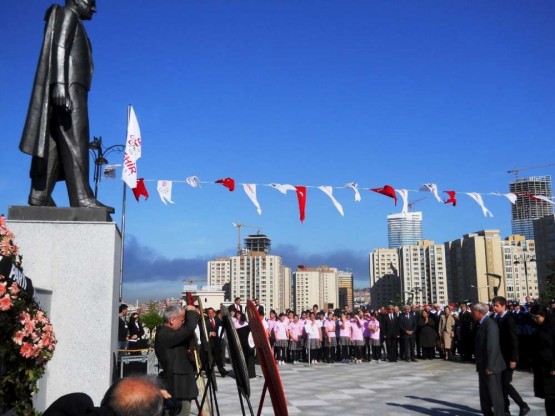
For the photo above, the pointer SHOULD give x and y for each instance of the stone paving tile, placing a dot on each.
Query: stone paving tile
(435, 388)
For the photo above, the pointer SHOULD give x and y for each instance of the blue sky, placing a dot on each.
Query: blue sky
(300, 92)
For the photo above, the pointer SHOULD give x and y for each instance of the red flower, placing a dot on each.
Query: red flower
(18, 338)
(27, 350)
(3, 288)
(14, 288)
(5, 303)
(29, 326)
(3, 227)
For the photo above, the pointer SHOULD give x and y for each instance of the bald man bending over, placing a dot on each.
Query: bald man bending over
(133, 396)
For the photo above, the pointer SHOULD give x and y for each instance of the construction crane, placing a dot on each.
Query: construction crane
(412, 203)
(239, 226)
(516, 170)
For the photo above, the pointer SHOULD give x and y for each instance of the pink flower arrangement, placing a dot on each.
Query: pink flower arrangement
(26, 335)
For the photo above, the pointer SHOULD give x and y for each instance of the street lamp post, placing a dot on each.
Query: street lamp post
(99, 158)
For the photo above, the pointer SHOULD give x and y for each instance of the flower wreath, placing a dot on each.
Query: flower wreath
(27, 340)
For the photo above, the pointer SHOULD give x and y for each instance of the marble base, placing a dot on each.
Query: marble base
(76, 266)
(26, 213)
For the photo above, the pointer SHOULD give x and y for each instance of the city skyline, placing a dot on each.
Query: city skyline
(304, 93)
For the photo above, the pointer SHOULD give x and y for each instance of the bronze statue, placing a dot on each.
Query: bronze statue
(56, 131)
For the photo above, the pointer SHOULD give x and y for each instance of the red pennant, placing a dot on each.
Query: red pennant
(534, 197)
(387, 191)
(452, 198)
(228, 183)
(301, 196)
(140, 189)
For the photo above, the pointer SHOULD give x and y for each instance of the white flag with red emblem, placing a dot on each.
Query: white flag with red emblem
(165, 191)
(132, 150)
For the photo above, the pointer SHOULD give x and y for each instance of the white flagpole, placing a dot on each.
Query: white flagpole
(123, 220)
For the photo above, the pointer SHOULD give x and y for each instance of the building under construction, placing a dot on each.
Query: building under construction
(527, 208)
(258, 243)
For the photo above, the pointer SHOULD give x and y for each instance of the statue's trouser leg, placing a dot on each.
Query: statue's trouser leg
(44, 173)
(72, 138)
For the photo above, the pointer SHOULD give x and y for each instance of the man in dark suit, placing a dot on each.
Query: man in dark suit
(259, 307)
(391, 333)
(214, 325)
(466, 331)
(171, 344)
(122, 328)
(508, 340)
(407, 328)
(237, 305)
(489, 362)
(56, 131)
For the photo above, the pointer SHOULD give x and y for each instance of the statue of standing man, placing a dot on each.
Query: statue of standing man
(56, 131)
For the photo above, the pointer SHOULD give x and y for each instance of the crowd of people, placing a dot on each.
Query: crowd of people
(498, 337)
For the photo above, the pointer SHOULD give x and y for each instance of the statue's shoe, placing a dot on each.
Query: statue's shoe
(93, 203)
(41, 202)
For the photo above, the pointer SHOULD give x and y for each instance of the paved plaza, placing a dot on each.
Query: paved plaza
(393, 389)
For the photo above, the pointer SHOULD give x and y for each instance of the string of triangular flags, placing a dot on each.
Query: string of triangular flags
(164, 187)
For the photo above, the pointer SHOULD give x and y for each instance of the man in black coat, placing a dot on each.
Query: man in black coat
(259, 307)
(407, 328)
(214, 328)
(122, 328)
(466, 326)
(391, 333)
(508, 340)
(489, 362)
(171, 346)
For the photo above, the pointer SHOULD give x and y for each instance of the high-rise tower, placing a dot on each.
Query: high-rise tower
(527, 208)
(404, 229)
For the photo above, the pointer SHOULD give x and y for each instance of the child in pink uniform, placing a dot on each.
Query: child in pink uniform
(357, 338)
(344, 337)
(374, 330)
(295, 331)
(281, 339)
(329, 338)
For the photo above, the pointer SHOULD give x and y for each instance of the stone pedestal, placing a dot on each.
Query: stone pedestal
(75, 267)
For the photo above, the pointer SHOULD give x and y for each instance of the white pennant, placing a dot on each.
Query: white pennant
(328, 190)
(194, 181)
(354, 187)
(283, 188)
(165, 191)
(404, 194)
(510, 196)
(132, 151)
(544, 198)
(250, 190)
(478, 198)
(431, 187)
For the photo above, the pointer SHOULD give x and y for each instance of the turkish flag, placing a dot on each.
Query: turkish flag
(140, 189)
(228, 183)
(452, 198)
(387, 191)
(301, 196)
